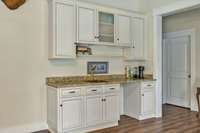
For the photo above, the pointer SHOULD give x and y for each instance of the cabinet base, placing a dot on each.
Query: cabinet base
(140, 117)
(89, 129)
(143, 117)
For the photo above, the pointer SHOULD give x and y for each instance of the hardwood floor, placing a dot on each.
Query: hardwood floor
(175, 120)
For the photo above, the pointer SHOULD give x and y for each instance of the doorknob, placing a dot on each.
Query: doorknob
(189, 76)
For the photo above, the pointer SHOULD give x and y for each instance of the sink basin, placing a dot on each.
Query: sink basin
(95, 81)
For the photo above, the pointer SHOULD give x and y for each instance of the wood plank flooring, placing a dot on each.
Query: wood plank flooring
(175, 120)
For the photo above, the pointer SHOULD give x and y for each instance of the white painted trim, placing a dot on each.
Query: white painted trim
(158, 63)
(28, 128)
(192, 34)
(158, 14)
(89, 129)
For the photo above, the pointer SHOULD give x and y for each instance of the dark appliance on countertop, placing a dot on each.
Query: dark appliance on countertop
(141, 72)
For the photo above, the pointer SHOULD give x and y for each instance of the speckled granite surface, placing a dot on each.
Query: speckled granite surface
(74, 81)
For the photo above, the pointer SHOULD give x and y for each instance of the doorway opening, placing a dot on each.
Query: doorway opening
(159, 14)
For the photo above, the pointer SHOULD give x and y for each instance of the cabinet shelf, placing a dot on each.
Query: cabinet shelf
(106, 35)
(99, 44)
(107, 24)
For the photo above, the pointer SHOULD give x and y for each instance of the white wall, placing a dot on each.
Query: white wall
(148, 5)
(24, 64)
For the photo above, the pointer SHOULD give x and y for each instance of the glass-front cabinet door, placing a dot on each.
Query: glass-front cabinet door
(106, 27)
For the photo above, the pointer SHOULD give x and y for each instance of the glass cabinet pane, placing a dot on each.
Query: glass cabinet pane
(106, 27)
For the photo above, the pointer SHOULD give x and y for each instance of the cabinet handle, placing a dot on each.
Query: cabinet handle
(112, 88)
(72, 92)
(103, 100)
(61, 105)
(142, 94)
(149, 85)
(94, 90)
(117, 39)
(97, 37)
(133, 43)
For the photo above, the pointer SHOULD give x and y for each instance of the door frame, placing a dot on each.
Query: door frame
(191, 34)
(158, 14)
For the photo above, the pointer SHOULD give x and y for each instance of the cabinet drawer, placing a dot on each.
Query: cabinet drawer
(148, 85)
(71, 92)
(94, 91)
(112, 89)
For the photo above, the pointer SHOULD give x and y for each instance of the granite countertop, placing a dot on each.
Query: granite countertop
(75, 81)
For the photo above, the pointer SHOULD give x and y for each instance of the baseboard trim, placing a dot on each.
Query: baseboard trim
(28, 128)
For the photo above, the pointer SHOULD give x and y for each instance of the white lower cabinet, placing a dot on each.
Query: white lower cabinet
(94, 110)
(147, 101)
(71, 113)
(140, 100)
(83, 109)
(111, 107)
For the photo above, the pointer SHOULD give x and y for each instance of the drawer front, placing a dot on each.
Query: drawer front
(148, 85)
(112, 89)
(73, 92)
(94, 90)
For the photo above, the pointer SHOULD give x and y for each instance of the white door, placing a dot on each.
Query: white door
(65, 29)
(86, 24)
(178, 70)
(147, 101)
(71, 113)
(124, 30)
(111, 107)
(94, 110)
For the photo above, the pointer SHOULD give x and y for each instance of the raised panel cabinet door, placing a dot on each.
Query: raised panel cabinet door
(147, 101)
(124, 30)
(71, 113)
(65, 29)
(111, 108)
(86, 24)
(94, 110)
(137, 38)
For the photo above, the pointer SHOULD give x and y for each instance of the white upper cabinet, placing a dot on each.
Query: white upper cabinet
(138, 38)
(62, 29)
(94, 26)
(124, 30)
(75, 22)
(136, 52)
(86, 24)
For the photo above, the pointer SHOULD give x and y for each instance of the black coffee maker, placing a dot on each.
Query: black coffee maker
(141, 72)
